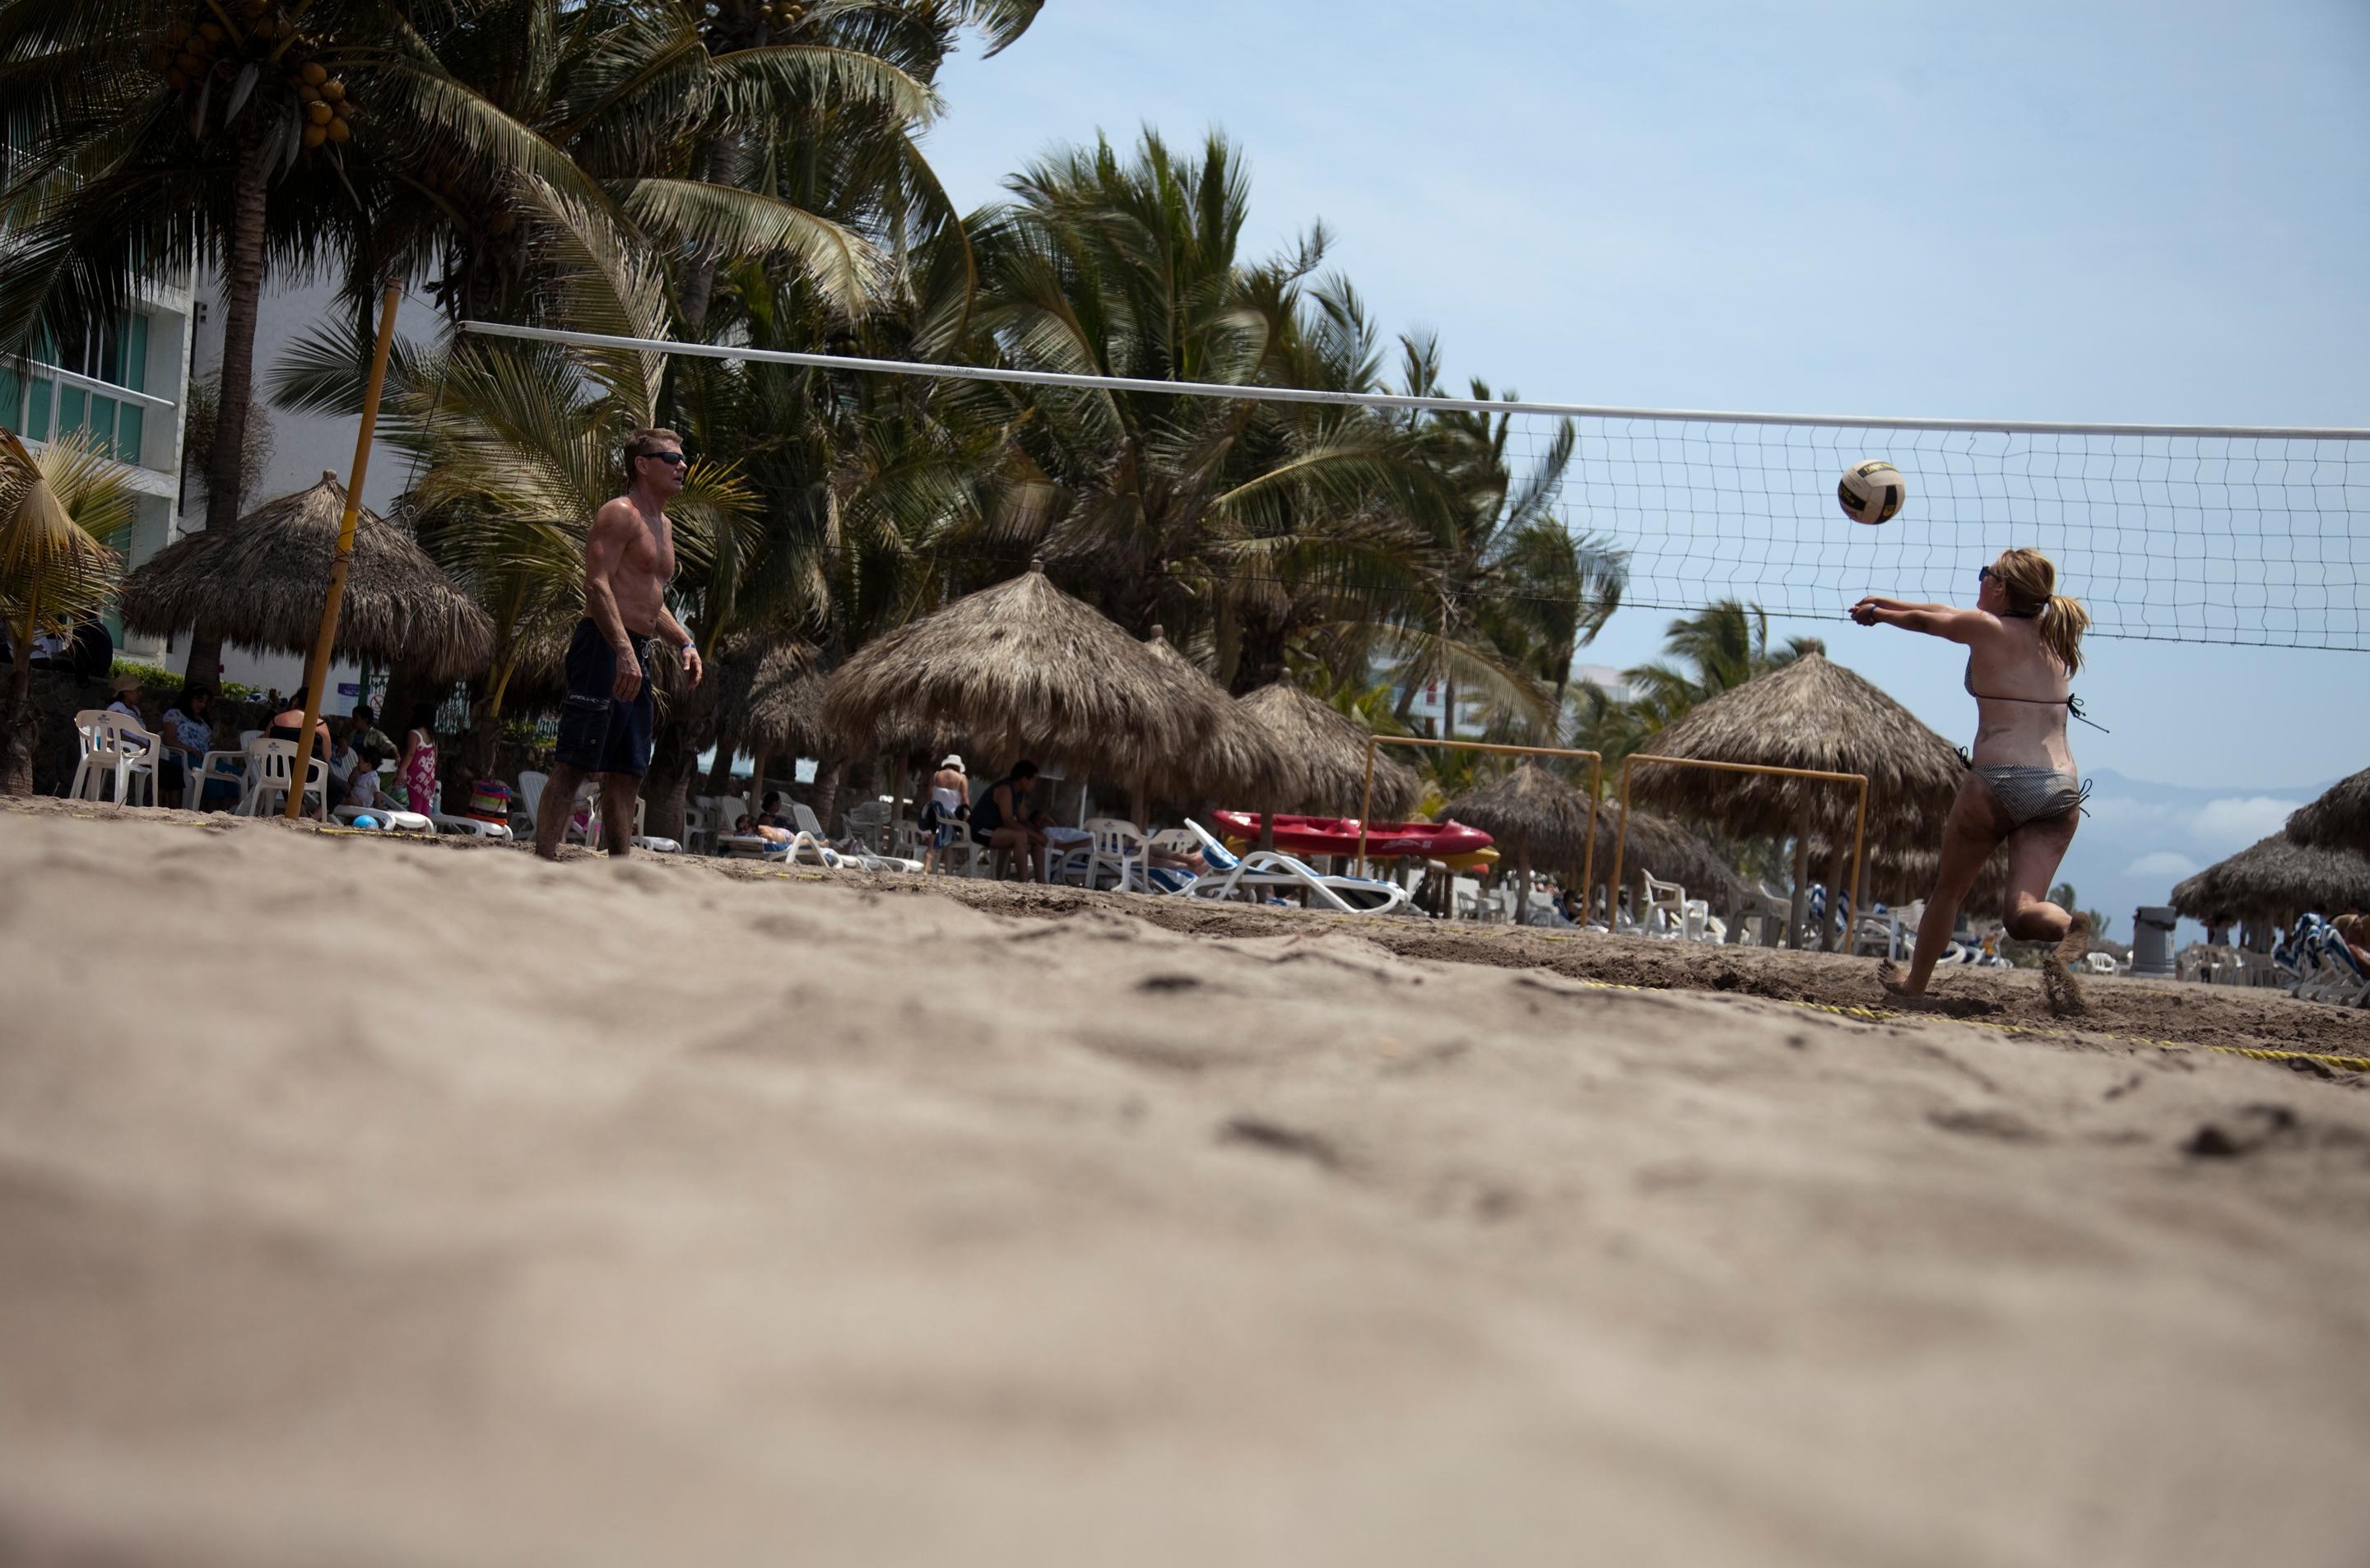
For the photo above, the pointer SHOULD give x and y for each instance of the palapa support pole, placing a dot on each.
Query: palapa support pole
(318, 667)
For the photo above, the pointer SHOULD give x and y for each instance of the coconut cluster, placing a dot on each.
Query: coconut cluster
(253, 53)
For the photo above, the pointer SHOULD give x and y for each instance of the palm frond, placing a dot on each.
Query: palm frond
(722, 221)
(58, 510)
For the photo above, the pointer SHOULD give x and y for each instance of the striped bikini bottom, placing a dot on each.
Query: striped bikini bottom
(2034, 795)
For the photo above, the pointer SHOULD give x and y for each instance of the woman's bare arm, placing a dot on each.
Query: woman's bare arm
(1934, 620)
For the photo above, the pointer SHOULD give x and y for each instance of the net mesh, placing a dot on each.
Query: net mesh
(2218, 539)
(2187, 534)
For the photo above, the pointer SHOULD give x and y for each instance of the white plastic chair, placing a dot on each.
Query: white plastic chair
(867, 827)
(271, 772)
(1115, 847)
(530, 794)
(114, 746)
(1665, 906)
(216, 767)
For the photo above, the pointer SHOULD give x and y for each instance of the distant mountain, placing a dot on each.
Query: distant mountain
(2141, 837)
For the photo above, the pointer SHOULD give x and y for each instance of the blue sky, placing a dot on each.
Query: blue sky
(2095, 211)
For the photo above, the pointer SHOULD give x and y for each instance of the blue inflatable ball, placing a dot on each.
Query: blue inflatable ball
(366, 820)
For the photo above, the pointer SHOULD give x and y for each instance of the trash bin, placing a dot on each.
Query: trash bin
(2152, 940)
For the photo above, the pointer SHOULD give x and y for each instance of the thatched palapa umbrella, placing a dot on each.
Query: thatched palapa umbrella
(1324, 754)
(783, 711)
(1025, 669)
(2339, 819)
(1236, 758)
(1810, 714)
(2275, 880)
(1537, 816)
(261, 585)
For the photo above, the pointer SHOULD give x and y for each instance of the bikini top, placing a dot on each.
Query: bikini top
(2071, 703)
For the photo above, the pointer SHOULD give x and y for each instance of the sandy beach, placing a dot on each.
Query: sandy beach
(367, 1202)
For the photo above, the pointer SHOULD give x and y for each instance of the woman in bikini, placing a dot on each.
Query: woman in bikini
(2024, 644)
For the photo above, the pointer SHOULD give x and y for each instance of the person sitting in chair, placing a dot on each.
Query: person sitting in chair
(1000, 820)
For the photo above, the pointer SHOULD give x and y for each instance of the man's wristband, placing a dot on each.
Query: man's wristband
(687, 647)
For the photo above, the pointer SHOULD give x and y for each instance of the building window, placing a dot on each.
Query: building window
(43, 409)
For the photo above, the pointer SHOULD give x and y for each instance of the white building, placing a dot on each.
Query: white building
(129, 387)
(1423, 714)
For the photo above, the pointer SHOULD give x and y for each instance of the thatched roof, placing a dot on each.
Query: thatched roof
(1530, 811)
(2277, 879)
(1812, 713)
(1236, 758)
(1023, 669)
(780, 713)
(2339, 819)
(261, 585)
(1326, 751)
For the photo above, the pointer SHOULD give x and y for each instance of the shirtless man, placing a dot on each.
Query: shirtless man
(605, 726)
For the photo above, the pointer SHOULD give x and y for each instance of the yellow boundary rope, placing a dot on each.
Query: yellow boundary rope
(1863, 1015)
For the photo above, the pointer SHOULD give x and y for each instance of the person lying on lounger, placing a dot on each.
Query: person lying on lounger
(748, 827)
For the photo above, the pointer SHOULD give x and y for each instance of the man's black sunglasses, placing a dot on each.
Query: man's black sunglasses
(674, 457)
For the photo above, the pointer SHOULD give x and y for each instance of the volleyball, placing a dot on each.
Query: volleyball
(1871, 492)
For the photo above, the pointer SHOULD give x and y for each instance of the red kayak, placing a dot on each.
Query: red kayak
(1339, 835)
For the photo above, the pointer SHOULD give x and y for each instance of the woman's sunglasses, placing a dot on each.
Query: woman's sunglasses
(1982, 575)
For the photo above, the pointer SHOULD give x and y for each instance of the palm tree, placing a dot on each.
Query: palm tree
(1717, 648)
(252, 136)
(58, 510)
(1514, 594)
(1251, 521)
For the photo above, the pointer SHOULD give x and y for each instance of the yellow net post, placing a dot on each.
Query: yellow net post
(319, 670)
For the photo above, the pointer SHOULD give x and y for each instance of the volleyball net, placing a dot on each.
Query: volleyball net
(2188, 534)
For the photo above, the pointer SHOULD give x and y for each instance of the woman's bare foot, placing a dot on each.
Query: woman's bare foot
(2058, 987)
(1896, 986)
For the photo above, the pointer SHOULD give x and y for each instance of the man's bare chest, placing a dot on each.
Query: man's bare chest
(650, 553)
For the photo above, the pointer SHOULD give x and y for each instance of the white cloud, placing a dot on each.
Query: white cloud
(2166, 864)
(2234, 823)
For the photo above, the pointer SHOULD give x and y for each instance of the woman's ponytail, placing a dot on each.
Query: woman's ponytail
(2030, 579)
(2063, 622)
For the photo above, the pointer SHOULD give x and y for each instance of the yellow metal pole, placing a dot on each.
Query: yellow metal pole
(1860, 839)
(343, 561)
(1620, 847)
(1366, 807)
(1588, 854)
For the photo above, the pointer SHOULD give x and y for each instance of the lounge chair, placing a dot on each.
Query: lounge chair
(1261, 872)
(846, 850)
(2343, 979)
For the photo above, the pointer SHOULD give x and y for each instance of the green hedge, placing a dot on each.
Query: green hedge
(165, 686)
